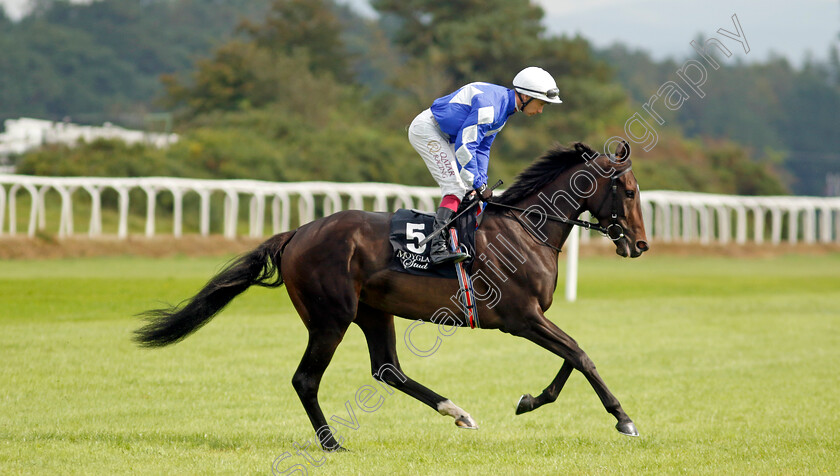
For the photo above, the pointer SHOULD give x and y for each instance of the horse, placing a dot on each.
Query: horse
(336, 272)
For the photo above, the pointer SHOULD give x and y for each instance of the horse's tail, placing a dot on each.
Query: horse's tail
(260, 267)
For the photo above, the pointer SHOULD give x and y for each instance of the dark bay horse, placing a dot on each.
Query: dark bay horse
(336, 271)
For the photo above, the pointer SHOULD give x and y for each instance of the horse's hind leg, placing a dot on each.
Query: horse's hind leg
(307, 379)
(528, 403)
(378, 328)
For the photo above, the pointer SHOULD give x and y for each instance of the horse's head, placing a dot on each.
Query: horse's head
(566, 181)
(615, 202)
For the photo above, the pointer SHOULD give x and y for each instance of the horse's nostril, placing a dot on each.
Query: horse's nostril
(642, 245)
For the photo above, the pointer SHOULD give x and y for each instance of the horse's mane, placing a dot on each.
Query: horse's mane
(545, 170)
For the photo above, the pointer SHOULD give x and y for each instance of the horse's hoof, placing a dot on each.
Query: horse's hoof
(627, 428)
(525, 405)
(466, 422)
(335, 449)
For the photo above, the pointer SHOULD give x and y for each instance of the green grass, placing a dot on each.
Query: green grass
(726, 366)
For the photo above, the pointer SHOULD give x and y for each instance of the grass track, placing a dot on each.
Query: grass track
(727, 367)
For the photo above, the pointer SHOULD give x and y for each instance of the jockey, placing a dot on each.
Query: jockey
(454, 137)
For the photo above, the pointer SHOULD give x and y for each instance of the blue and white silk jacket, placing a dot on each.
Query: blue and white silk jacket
(472, 116)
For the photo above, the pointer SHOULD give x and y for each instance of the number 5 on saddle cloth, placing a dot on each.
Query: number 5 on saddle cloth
(409, 227)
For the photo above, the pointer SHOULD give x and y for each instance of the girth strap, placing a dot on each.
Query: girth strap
(465, 293)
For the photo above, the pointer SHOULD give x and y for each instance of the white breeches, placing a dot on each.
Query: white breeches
(434, 147)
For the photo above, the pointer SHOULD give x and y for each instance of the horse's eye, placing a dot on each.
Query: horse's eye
(630, 193)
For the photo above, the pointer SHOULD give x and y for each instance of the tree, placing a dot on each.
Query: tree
(469, 40)
(243, 76)
(226, 82)
(310, 27)
(89, 60)
(295, 58)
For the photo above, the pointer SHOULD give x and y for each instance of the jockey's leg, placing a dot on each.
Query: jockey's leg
(434, 147)
(441, 252)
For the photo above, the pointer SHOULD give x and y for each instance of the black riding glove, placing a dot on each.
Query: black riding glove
(484, 193)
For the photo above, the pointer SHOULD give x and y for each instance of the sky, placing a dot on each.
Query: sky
(664, 28)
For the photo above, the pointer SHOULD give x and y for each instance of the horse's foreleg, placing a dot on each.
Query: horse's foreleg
(378, 328)
(547, 335)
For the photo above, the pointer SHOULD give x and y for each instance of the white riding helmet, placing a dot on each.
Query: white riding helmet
(537, 83)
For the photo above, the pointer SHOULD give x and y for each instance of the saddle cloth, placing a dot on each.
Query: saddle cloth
(409, 227)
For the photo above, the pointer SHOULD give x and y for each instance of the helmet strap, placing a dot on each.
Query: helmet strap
(524, 103)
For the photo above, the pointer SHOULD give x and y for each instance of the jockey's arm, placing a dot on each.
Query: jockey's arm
(472, 153)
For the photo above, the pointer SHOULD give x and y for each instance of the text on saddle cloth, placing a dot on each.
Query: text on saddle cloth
(409, 227)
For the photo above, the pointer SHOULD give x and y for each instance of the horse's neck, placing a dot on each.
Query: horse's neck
(561, 201)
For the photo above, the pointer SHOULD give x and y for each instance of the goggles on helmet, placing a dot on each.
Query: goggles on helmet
(550, 94)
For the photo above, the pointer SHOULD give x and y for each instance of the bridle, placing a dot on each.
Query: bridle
(613, 230)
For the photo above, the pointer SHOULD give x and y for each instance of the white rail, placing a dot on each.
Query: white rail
(669, 216)
(333, 197)
(707, 218)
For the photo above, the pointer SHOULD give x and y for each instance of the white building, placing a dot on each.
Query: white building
(25, 134)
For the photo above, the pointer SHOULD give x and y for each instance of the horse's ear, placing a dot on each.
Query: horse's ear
(584, 150)
(622, 151)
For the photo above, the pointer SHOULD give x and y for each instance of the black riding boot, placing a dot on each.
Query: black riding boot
(440, 250)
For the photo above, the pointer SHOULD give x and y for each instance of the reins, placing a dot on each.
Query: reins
(569, 221)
